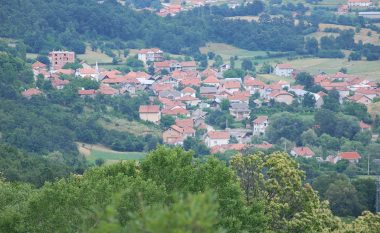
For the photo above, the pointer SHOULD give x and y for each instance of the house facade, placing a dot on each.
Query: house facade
(217, 138)
(150, 113)
(359, 3)
(260, 124)
(59, 58)
(284, 70)
(151, 55)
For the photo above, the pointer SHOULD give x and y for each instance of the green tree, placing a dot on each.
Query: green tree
(247, 64)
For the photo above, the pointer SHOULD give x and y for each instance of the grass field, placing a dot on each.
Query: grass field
(362, 35)
(94, 152)
(269, 78)
(367, 69)
(31, 55)
(92, 57)
(123, 125)
(374, 109)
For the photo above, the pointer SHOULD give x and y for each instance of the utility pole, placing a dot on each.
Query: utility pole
(377, 161)
(378, 194)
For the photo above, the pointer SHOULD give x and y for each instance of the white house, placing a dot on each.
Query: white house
(359, 3)
(217, 138)
(285, 70)
(260, 124)
(152, 55)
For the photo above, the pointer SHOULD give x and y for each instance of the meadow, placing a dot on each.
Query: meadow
(94, 152)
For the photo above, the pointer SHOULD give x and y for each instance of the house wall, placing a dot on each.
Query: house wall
(287, 99)
(59, 58)
(152, 117)
(215, 142)
(283, 72)
(259, 129)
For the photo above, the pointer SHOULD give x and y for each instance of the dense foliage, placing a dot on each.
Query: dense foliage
(169, 191)
(70, 22)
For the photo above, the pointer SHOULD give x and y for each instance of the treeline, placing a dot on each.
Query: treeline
(254, 8)
(69, 23)
(169, 191)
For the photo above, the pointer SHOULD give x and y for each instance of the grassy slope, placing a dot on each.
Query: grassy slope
(362, 35)
(134, 127)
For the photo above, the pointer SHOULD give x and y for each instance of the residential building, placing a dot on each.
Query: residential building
(260, 124)
(28, 93)
(282, 97)
(240, 111)
(359, 3)
(217, 138)
(173, 135)
(302, 151)
(59, 58)
(351, 156)
(150, 55)
(360, 99)
(150, 113)
(285, 70)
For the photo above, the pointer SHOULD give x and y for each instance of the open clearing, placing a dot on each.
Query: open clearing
(134, 127)
(91, 57)
(367, 69)
(269, 78)
(362, 35)
(374, 108)
(226, 51)
(94, 152)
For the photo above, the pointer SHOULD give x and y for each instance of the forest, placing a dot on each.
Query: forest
(170, 191)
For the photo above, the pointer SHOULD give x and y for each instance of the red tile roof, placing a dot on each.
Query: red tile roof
(191, 82)
(184, 122)
(149, 109)
(303, 151)
(107, 90)
(260, 119)
(30, 92)
(211, 80)
(232, 85)
(152, 50)
(364, 125)
(284, 66)
(174, 111)
(188, 64)
(188, 90)
(218, 135)
(38, 65)
(352, 155)
(87, 92)
(249, 81)
(277, 93)
(59, 82)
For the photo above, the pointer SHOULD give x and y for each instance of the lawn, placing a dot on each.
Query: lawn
(135, 127)
(94, 152)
